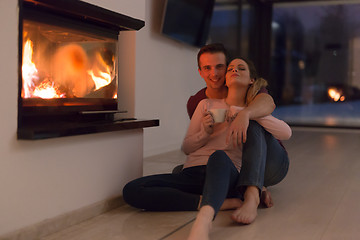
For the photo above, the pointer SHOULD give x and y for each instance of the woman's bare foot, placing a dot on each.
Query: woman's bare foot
(265, 198)
(231, 203)
(247, 213)
(202, 225)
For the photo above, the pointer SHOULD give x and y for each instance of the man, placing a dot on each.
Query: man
(212, 64)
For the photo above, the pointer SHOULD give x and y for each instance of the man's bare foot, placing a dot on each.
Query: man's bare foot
(247, 213)
(231, 203)
(266, 199)
(202, 225)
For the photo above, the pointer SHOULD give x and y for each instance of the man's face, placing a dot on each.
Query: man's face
(212, 69)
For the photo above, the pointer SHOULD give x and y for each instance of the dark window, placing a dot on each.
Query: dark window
(315, 56)
(309, 51)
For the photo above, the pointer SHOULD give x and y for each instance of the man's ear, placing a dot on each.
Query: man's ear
(200, 72)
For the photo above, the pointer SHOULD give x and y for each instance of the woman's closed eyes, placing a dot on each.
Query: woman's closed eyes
(239, 68)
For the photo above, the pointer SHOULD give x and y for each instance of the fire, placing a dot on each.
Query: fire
(29, 70)
(101, 78)
(100, 81)
(336, 94)
(101, 75)
(47, 90)
(30, 75)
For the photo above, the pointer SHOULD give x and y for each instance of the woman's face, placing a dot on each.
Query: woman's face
(238, 73)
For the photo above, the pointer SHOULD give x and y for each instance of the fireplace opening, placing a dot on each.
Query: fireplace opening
(67, 69)
(68, 64)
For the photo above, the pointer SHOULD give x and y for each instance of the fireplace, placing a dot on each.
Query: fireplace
(68, 68)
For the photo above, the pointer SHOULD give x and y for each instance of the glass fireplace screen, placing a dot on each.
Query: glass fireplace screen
(65, 66)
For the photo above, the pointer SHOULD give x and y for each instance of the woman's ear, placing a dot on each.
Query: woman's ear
(252, 80)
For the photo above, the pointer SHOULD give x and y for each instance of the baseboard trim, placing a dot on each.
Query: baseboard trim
(61, 222)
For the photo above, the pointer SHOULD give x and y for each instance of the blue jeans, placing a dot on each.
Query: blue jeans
(265, 163)
(167, 192)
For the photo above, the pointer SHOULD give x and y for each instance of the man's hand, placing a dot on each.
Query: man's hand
(262, 105)
(238, 128)
(208, 122)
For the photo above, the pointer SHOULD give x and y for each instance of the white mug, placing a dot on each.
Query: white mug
(218, 114)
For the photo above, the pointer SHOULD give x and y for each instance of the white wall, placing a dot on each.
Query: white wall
(45, 178)
(132, 8)
(166, 75)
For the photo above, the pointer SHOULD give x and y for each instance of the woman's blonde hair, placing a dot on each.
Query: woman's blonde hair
(258, 83)
(254, 88)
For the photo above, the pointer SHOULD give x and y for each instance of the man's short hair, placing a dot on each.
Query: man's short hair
(212, 48)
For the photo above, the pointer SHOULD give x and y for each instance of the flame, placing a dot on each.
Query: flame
(30, 74)
(335, 94)
(102, 75)
(29, 71)
(100, 81)
(102, 78)
(47, 90)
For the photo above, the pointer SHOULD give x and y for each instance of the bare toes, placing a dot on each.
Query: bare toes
(266, 199)
(244, 215)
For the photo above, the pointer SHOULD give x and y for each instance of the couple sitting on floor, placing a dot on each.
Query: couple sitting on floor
(229, 163)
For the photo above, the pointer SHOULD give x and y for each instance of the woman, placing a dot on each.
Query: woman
(216, 183)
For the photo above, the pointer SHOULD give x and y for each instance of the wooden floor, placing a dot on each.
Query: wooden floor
(319, 199)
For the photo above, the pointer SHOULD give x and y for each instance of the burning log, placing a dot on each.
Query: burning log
(108, 91)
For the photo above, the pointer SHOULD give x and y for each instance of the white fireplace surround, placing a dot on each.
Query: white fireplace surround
(47, 179)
